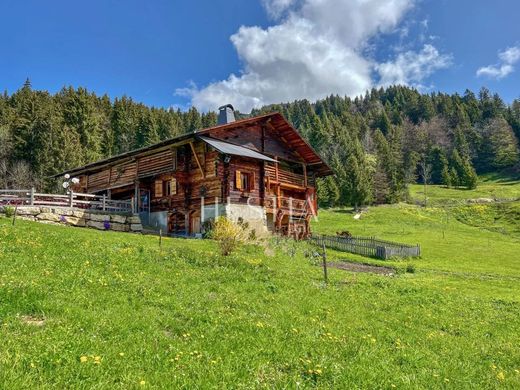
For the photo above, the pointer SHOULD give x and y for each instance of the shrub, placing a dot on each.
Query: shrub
(9, 211)
(228, 235)
(410, 268)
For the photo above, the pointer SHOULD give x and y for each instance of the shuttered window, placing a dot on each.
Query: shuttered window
(158, 188)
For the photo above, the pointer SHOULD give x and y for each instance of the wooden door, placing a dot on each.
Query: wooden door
(195, 224)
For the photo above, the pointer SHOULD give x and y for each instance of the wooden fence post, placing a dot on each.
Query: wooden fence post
(14, 214)
(104, 201)
(71, 199)
(324, 255)
(31, 197)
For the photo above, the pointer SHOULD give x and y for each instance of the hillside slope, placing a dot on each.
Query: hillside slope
(88, 309)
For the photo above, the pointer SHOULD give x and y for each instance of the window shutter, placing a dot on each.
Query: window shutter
(238, 180)
(158, 188)
(173, 186)
(252, 178)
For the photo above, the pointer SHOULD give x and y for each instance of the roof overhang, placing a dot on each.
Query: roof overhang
(235, 150)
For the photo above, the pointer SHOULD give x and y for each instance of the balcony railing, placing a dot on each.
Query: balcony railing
(72, 199)
(284, 177)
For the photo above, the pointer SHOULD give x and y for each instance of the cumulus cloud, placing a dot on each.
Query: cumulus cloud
(410, 68)
(316, 48)
(507, 58)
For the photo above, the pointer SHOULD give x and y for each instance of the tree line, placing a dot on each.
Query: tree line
(376, 144)
(379, 143)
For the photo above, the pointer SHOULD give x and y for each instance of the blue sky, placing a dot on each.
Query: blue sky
(254, 52)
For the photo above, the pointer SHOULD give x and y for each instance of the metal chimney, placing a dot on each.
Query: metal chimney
(226, 114)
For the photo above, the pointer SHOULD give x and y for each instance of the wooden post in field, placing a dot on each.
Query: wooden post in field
(31, 196)
(71, 199)
(104, 202)
(15, 212)
(324, 255)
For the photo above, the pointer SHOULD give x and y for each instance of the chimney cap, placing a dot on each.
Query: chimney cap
(226, 114)
(226, 106)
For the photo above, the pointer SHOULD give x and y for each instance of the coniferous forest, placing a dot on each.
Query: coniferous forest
(376, 144)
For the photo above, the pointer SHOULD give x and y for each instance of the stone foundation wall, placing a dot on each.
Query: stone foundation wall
(78, 217)
(254, 216)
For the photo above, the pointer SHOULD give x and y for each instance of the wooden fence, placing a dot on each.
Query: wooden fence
(72, 199)
(367, 246)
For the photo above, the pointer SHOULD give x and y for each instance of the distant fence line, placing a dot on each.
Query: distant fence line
(367, 246)
(72, 199)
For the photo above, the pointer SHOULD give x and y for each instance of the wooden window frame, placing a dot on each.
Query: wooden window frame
(246, 185)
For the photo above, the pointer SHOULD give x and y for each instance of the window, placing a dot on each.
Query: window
(165, 187)
(244, 181)
(170, 187)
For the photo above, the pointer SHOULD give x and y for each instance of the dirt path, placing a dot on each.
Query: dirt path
(358, 267)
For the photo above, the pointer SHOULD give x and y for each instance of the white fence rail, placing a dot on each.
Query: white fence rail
(72, 199)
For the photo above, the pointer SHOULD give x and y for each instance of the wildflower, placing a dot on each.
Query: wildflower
(142, 383)
(446, 380)
(83, 359)
(259, 324)
(97, 359)
(121, 354)
(501, 376)
(106, 225)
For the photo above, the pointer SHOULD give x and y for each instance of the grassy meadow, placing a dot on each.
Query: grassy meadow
(86, 309)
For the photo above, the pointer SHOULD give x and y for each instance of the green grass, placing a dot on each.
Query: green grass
(490, 186)
(182, 316)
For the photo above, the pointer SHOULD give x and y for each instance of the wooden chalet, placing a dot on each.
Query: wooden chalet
(258, 169)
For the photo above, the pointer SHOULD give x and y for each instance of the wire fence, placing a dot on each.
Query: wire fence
(367, 246)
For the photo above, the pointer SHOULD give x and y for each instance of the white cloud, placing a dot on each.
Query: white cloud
(410, 68)
(317, 48)
(275, 8)
(504, 67)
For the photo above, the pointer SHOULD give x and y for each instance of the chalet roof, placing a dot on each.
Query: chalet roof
(273, 120)
(235, 150)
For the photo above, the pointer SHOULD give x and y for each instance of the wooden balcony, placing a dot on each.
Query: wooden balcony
(286, 178)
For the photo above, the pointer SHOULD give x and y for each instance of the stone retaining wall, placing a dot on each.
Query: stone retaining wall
(78, 217)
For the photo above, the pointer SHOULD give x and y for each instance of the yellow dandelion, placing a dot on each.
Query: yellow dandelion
(121, 354)
(83, 359)
(501, 376)
(318, 371)
(259, 324)
(446, 380)
(142, 383)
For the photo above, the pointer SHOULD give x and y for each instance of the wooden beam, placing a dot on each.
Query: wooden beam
(197, 160)
(304, 175)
